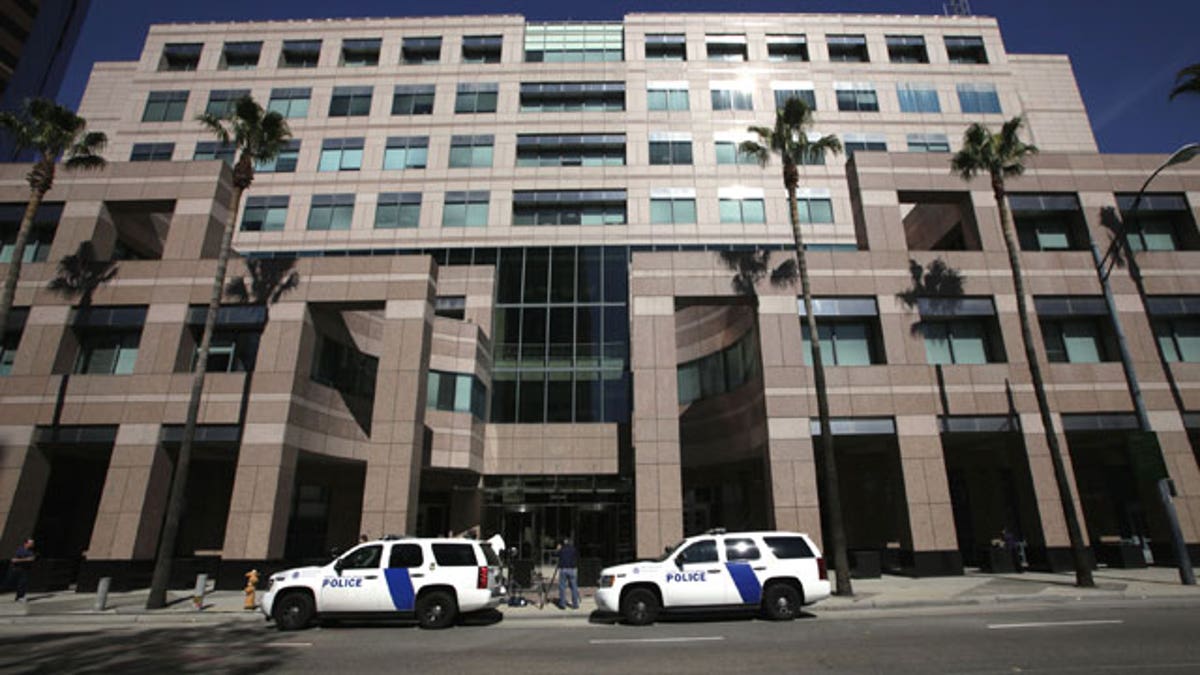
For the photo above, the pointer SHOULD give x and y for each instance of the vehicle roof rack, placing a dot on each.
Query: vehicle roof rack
(394, 537)
(716, 530)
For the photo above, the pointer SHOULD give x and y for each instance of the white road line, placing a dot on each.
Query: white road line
(287, 644)
(635, 640)
(1052, 624)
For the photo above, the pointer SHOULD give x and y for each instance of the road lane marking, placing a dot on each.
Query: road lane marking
(288, 644)
(616, 641)
(1052, 624)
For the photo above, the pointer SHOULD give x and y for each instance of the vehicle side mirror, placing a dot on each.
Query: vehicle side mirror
(679, 560)
(338, 565)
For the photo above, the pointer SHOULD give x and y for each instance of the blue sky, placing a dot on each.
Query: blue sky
(1125, 54)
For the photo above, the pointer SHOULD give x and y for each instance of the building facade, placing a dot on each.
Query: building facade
(529, 287)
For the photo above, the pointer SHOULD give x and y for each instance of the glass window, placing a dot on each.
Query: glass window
(928, 143)
(666, 47)
(481, 48)
(815, 209)
(584, 207)
(360, 53)
(465, 209)
(670, 152)
(107, 353)
(732, 99)
(906, 49)
(152, 152)
(8, 351)
(806, 95)
(362, 558)
(398, 210)
(962, 341)
(574, 42)
(284, 162)
(703, 551)
(456, 392)
(787, 48)
(406, 153)
(350, 102)
(918, 98)
(1074, 340)
(413, 100)
(1179, 338)
(740, 549)
(978, 98)
(291, 103)
(843, 343)
(419, 50)
(857, 100)
(575, 150)
(729, 152)
(863, 143)
(788, 548)
(180, 56)
(240, 55)
(1161, 222)
(848, 48)
(725, 47)
(165, 106)
(966, 49)
(221, 101)
(667, 99)
(37, 245)
(341, 154)
(476, 98)
(331, 212)
(680, 211)
(406, 555)
(264, 214)
(207, 150)
(455, 555)
(742, 211)
(572, 96)
(300, 54)
(470, 151)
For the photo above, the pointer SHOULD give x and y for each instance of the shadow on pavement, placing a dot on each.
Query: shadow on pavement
(224, 648)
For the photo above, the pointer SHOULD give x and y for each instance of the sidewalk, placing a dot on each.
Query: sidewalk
(888, 592)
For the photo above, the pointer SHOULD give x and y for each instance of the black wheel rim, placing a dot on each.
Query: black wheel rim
(640, 611)
(434, 613)
(783, 606)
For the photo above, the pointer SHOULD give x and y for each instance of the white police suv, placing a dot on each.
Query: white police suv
(431, 580)
(775, 573)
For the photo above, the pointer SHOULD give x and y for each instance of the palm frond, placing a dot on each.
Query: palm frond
(760, 153)
(1187, 81)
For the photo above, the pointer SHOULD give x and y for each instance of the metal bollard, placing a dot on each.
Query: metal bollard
(102, 593)
(198, 592)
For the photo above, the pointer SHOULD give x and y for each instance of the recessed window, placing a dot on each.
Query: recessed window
(481, 48)
(853, 143)
(353, 373)
(476, 98)
(300, 54)
(456, 392)
(108, 339)
(731, 47)
(672, 207)
(666, 47)
(939, 221)
(670, 148)
(966, 49)
(341, 154)
(11, 339)
(235, 339)
(265, 214)
(420, 50)
(285, 161)
(152, 152)
(37, 246)
(906, 49)
(398, 210)
(718, 373)
(787, 48)
(576, 207)
(730, 152)
(240, 55)
(571, 150)
(729, 98)
(165, 106)
(1048, 222)
(848, 48)
(222, 101)
(350, 102)
(979, 98)
(856, 97)
(1076, 329)
(572, 96)
(849, 330)
(574, 42)
(960, 331)
(471, 151)
(208, 150)
(1176, 323)
(807, 95)
(406, 152)
(450, 306)
(928, 143)
(745, 210)
(360, 53)
(180, 56)
(814, 209)
(918, 98)
(667, 96)
(331, 212)
(1161, 222)
(412, 99)
(465, 209)
(292, 103)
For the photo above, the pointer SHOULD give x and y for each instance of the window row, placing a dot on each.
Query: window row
(569, 43)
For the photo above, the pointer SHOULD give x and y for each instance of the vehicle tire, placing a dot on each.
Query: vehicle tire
(639, 607)
(436, 609)
(781, 602)
(293, 611)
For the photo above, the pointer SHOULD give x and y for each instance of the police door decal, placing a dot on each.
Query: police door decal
(400, 587)
(746, 582)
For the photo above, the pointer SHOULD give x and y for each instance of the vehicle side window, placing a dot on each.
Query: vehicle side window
(740, 549)
(365, 557)
(454, 555)
(786, 548)
(704, 551)
(406, 555)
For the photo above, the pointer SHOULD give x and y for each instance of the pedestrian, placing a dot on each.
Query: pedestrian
(18, 570)
(568, 573)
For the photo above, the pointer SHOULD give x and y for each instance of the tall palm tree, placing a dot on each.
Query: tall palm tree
(1002, 155)
(1187, 81)
(256, 136)
(789, 139)
(52, 132)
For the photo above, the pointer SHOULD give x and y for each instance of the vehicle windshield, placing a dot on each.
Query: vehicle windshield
(668, 552)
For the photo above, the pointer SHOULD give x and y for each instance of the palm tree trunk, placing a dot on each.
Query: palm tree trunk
(170, 531)
(18, 255)
(837, 531)
(1083, 569)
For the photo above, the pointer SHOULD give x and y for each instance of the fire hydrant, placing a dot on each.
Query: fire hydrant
(251, 586)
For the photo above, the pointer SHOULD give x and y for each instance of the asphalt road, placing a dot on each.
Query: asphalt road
(1126, 637)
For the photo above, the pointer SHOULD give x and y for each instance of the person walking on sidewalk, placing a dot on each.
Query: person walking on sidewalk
(18, 570)
(568, 573)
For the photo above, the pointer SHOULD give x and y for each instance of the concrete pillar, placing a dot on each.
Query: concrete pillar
(1045, 489)
(24, 471)
(1182, 469)
(927, 490)
(657, 474)
(262, 495)
(134, 499)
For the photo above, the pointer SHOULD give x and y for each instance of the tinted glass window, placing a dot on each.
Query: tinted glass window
(363, 558)
(700, 552)
(741, 549)
(788, 547)
(454, 555)
(406, 555)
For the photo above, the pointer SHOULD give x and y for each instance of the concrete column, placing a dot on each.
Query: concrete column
(197, 225)
(262, 495)
(790, 409)
(657, 472)
(24, 471)
(134, 499)
(1182, 469)
(1045, 489)
(41, 340)
(927, 490)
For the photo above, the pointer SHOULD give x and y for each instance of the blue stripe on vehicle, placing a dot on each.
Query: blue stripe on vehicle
(747, 584)
(401, 588)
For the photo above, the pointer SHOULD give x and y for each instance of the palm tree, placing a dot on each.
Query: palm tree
(789, 139)
(1187, 81)
(81, 273)
(257, 136)
(1002, 155)
(52, 132)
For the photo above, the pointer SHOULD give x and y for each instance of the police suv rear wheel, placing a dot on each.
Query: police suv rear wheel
(293, 611)
(639, 607)
(436, 610)
(781, 602)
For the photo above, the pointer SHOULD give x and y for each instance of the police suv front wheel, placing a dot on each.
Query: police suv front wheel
(293, 611)
(781, 602)
(639, 607)
(436, 609)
